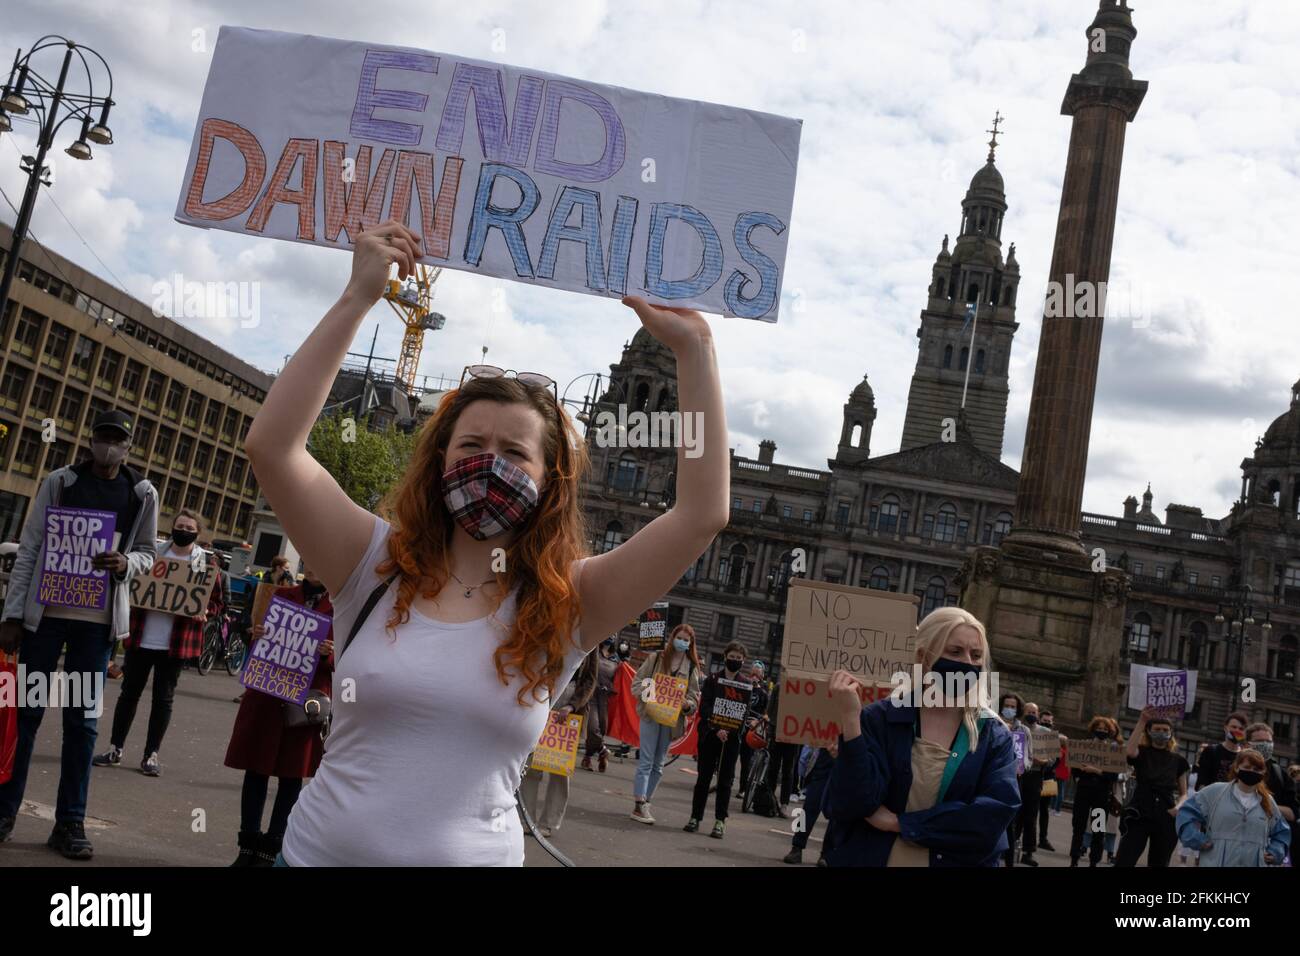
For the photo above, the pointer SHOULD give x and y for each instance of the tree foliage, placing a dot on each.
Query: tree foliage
(365, 462)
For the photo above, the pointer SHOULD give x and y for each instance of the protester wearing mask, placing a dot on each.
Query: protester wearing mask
(279, 575)
(464, 651)
(598, 710)
(263, 746)
(1161, 773)
(918, 785)
(718, 749)
(1012, 709)
(1050, 794)
(678, 659)
(757, 713)
(1215, 760)
(1031, 790)
(1094, 790)
(548, 812)
(1259, 737)
(1236, 822)
(162, 643)
(84, 637)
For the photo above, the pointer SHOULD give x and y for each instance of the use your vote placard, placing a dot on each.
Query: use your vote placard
(283, 661)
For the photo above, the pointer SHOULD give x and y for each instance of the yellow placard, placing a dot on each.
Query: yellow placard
(557, 749)
(664, 696)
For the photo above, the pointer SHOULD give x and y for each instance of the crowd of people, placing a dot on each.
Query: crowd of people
(470, 610)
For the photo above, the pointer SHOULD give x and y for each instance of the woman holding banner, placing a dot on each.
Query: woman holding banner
(1094, 798)
(548, 813)
(1161, 773)
(678, 662)
(719, 747)
(162, 643)
(921, 785)
(468, 601)
(264, 746)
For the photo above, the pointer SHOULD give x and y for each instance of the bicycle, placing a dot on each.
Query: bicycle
(222, 640)
(757, 774)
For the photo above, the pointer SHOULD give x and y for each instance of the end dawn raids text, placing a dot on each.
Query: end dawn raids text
(571, 185)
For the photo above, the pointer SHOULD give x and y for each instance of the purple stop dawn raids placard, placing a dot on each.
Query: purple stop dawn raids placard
(73, 536)
(1167, 694)
(283, 660)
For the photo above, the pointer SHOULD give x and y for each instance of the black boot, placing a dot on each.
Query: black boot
(268, 848)
(248, 843)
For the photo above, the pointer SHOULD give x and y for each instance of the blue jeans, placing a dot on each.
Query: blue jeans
(88, 646)
(655, 738)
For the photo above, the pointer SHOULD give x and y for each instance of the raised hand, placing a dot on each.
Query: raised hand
(376, 249)
(675, 328)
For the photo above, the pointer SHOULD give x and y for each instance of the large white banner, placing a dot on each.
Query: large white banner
(507, 172)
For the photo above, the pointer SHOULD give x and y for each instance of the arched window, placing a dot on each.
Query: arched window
(613, 536)
(1275, 492)
(947, 356)
(855, 438)
(879, 580)
(973, 292)
(665, 401)
(965, 356)
(1139, 638)
(642, 397)
(888, 514)
(979, 361)
(731, 570)
(1001, 527)
(936, 595)
(1282, 660)
(945, 525)
(625, 474)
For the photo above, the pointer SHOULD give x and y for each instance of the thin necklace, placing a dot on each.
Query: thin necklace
(469, 589)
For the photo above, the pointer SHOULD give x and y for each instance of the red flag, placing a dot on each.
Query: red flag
(624, 724)
(8, 720)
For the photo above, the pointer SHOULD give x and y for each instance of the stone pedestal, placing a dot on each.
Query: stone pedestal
(1054, 627)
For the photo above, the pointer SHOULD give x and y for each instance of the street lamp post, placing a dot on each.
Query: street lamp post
(778, 586)
(1236, 616)
(26, 90)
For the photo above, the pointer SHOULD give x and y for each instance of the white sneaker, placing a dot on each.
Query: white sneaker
(641, 814)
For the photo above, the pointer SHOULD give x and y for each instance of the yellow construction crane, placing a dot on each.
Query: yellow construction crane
(412, 301)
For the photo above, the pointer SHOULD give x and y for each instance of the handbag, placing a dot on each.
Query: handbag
(316, 710)
(1049, 787)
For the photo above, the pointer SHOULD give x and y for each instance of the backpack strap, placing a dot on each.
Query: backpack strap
(366, 608)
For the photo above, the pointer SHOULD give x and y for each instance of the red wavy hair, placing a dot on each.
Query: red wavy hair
(540, 556)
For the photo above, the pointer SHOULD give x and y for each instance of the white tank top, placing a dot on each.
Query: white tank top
(421, 767)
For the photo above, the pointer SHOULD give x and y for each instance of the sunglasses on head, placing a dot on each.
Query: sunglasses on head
(531, 379)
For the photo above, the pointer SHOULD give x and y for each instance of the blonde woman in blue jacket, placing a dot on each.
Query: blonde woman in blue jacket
(1236, 823)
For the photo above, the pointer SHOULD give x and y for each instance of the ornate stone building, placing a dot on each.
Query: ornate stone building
(908, 521)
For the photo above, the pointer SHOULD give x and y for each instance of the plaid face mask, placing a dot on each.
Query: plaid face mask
(488, 495)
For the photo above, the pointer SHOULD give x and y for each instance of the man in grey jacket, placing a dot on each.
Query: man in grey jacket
(41, 632)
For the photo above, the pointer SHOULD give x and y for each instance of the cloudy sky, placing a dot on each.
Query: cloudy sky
(895, 99)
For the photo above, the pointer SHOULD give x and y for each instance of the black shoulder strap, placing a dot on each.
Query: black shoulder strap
(366, 608)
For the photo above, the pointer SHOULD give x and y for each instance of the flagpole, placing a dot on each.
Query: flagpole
(970, 352)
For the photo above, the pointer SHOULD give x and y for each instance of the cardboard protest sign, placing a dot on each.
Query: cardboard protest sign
(731, 704)
(1173, 692)
(1045, 744)
(1107, 755)
(807, 714)
(557, 749)
(871, 634)
(73, 537)
(663, 698)
(652, 627)
(283, 661)
(172, 588)
(262, 600)
(507, 172)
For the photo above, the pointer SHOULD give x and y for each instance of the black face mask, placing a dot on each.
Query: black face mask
(1249, 777)
(1031, 719)
(310, 589)
(1101, 735)
(946, 665)
(183, 538)
(733, 666)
